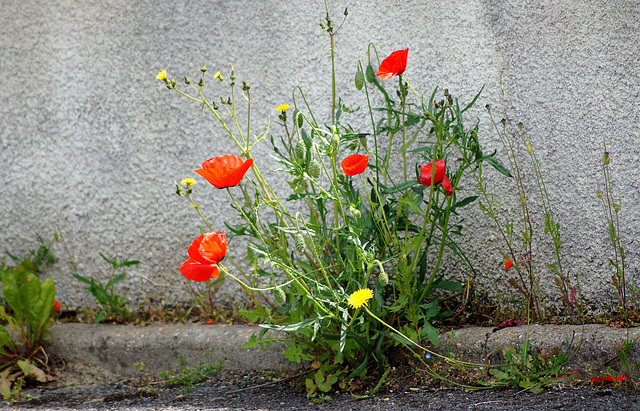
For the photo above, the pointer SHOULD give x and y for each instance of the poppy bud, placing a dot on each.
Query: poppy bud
(529, 148)
(606, 158)
(355, 212)
(314, 168)
(599, 194)
(359, 80)
(383, 278)
(300, 150)
(335, 139)
(300, 243)
(299, 119)
(370, 74)
(281, 297)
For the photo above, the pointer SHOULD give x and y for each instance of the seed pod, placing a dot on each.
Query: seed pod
(529, 148)
(599, 194)
(314, 168)
(281, 297)
(523, 201)
(383, 278)
(300, 150)
(300, 243)
(299, 118)
(359, 79)
(371, 75)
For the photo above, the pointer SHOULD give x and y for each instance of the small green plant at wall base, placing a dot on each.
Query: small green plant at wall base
(189, 377)
(29, 306)
(353, 272)
(111, 304)
(532, 371)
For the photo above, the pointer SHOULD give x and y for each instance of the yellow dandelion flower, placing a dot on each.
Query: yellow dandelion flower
(360, 298)
(283, 107)
(188, 182)
(162, 75)
(217, 75)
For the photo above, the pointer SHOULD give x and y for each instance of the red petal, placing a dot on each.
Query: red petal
(508, 264)
(425, 173)
(446, 184)
(354, 164)
(194, 271)
(213, 246)
(224, 171)
(56, 305)
(208, 248)
(394, 65)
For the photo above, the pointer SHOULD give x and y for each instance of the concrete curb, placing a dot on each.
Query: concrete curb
(117, 347)
(587, 347)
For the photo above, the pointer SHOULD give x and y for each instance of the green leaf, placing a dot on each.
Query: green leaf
(113, 263)
(116, 279)
(472, 101)
(464, 202)
(31, 371)
(10, 290)
(29, 293)
(448, 285)
(432, 334)
(291, 327)
(129, 263)
(83, 279)
(412, 205)
(496, 164)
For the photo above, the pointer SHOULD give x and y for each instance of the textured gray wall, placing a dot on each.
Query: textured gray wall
(90, 140)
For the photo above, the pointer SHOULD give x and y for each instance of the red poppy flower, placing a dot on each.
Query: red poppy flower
(620, 379)
(394, 65)
(425, 173)
(56, 305)
(354, 164)
(205, 252)
(446, 184)
(210, 322)
(596, 380)
(608, 378)
(224, 171)
(508, 264)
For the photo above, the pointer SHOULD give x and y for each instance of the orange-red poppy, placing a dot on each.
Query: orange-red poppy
(224, 171)
(394, 65)
(608, 378)
(354, 164)
(622, 378)
(446, 184)
(56, 305)
(205, 252)
(508, 263)
(425, 173)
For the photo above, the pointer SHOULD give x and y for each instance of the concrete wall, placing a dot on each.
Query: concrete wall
(90, 140)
